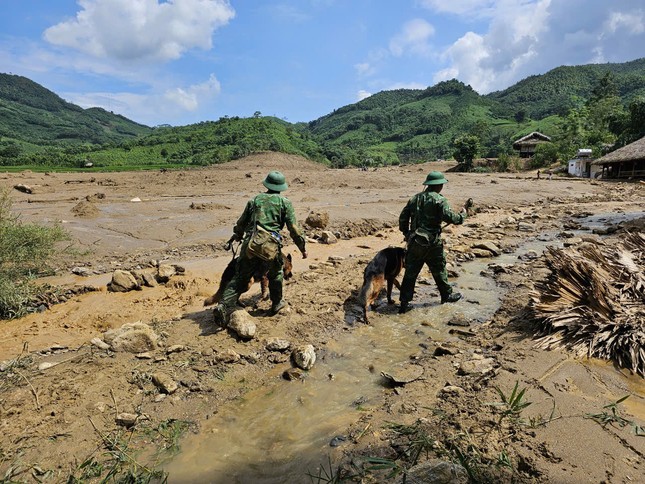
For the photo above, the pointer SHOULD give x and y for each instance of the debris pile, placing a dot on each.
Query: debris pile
(593, 303)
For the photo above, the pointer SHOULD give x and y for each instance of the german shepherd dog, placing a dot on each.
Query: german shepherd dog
(385, 266)
(259, 275)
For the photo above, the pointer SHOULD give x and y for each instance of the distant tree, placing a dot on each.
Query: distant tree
(465, 150)
(521, 115)
(257, 114)
(545, 154)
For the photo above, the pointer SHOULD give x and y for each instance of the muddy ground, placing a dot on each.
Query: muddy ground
(61, 420)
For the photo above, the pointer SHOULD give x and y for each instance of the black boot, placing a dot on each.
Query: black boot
(404, 307)
(451, 298)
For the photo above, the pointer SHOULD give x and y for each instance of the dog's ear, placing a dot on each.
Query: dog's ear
(289, 257)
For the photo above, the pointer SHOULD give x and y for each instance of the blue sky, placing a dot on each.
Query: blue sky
(184, 61)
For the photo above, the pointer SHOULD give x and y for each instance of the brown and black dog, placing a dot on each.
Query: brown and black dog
(259, 275)
(385, 266)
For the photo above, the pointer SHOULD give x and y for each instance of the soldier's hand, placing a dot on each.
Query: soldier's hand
(304, 254)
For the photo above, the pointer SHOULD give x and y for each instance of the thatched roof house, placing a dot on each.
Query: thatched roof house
(526, 145)
(625, 162)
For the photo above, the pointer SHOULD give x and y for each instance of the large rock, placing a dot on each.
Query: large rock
(489, 246)
(243, 324)
(317, 220)
(123, 281)
(165, 272)
(435, 471)
(132, 338)
(304, 357)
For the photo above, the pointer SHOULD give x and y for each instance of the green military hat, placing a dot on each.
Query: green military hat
(275, 181)
(435, 178)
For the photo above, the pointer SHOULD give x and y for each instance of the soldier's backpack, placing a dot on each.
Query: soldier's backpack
(263, 244)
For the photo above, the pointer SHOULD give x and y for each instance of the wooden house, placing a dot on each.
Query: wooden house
(626, 162)
(526, 145)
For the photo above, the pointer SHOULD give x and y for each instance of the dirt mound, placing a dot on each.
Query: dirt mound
(85, 208)
(267, 161)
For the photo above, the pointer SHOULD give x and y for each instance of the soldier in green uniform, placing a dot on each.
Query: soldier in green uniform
(271, 211)
(420, 222)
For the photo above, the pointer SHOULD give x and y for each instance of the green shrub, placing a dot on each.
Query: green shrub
(25, 250)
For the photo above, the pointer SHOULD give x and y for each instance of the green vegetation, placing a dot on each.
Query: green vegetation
(600, 106)
(24, 252)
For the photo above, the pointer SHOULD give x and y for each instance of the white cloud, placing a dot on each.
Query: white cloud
(362, 94)
(192, 97)
(405, 85)
(633, 23)
(151, 107)
(363, 68)
(525, 37)
(141, 30)
(413, 38)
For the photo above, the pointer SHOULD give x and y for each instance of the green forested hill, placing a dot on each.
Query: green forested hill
(598, 106)
(556, 91)
(409, 124)
(32, 114)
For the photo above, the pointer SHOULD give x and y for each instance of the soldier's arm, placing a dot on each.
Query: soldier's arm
(404, 218)
(294, 229)
(244, 220)
(449, 216)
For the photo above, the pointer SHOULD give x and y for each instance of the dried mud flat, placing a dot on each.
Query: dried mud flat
(60, 396)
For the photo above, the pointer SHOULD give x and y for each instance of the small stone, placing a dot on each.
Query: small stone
(293, 374)
(100, 344)
(175, 349)
(228, 356)
(328, 237)
(277, 344)
(164, 382)
(304, 357)
(46, 365)
(144, 356)
(164, 273)
(127, 420)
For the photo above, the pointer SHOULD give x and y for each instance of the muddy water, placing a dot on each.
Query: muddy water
(280, 432)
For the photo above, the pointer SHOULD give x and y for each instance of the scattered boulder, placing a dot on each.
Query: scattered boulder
(81, 271)
(164, 273)
(23, 188)
(476, 366)
(489, 246)
(328, 237)
(304, 357)
(123, 281)
(132, 338)
(317, 220)
(277, 344)
(127, 420)
(243, 324)
(228, 356)
(100, 344)
(164, 383)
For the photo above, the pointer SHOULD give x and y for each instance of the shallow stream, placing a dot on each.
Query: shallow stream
(280, 432)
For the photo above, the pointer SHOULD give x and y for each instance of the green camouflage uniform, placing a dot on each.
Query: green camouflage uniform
(420, 221)
(272, 211)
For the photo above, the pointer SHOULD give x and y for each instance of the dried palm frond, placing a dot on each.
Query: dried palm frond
(593, 303)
